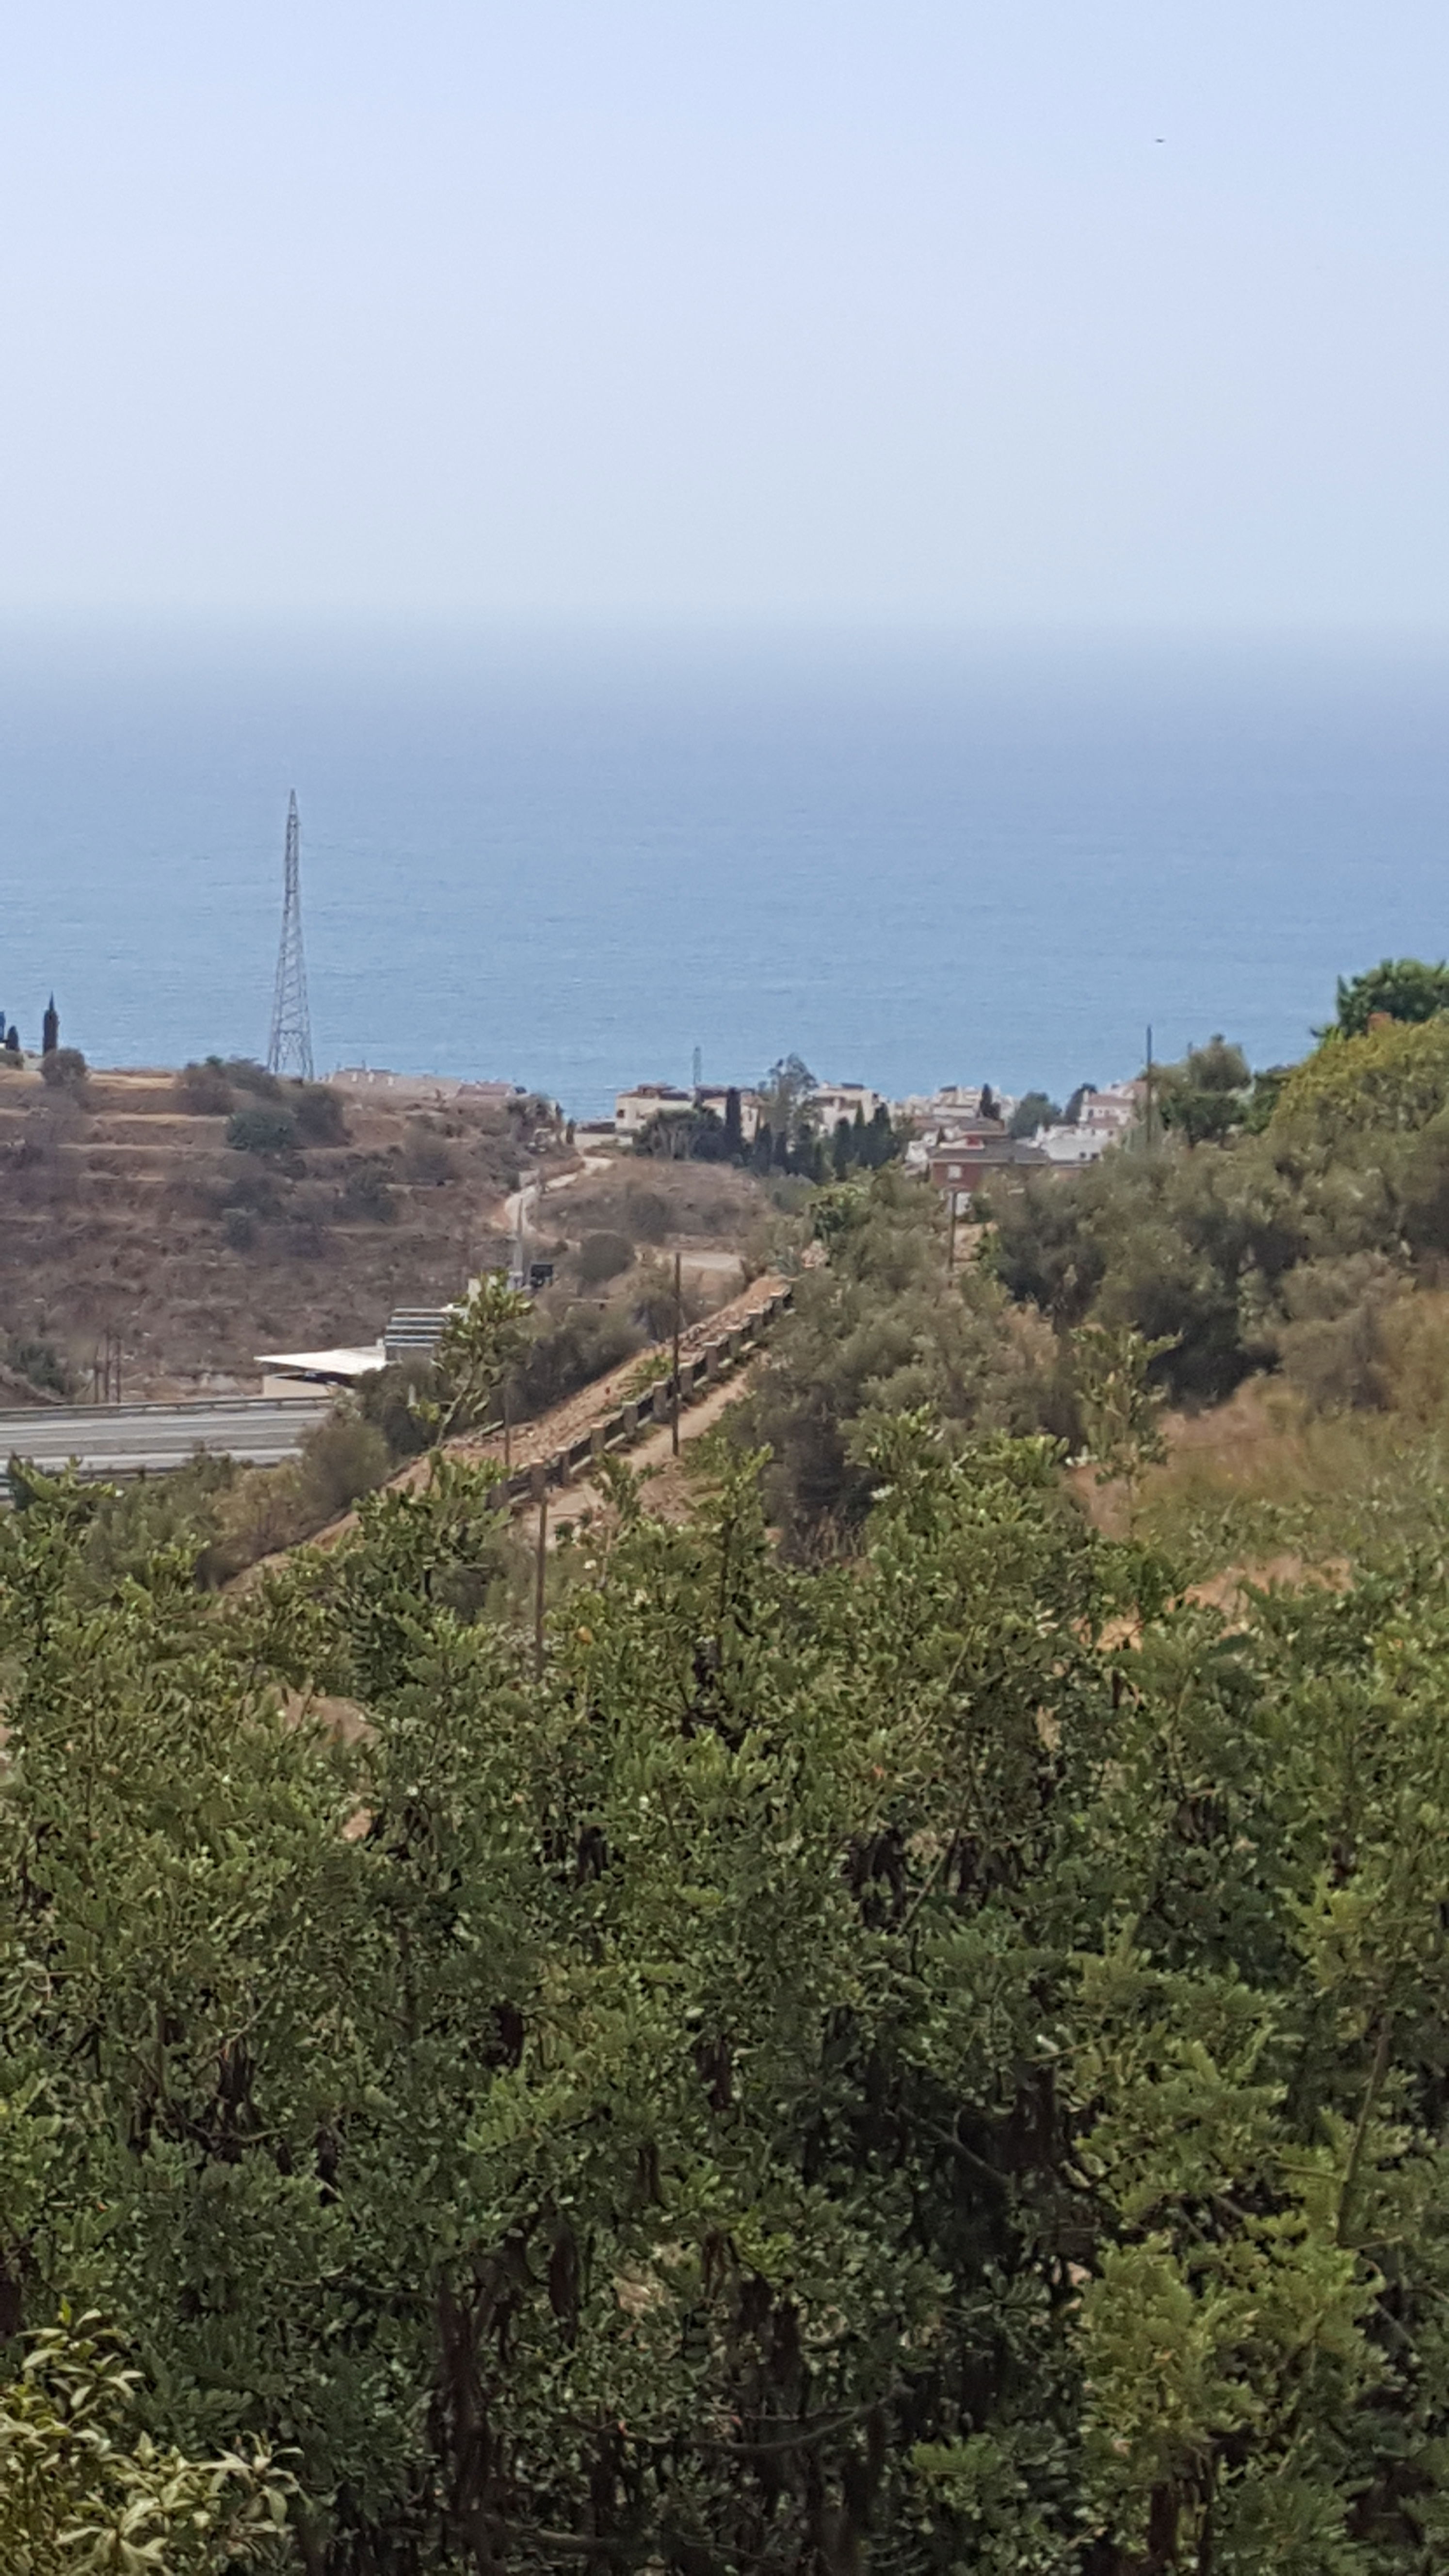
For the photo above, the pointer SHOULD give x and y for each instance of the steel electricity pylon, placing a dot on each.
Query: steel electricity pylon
(291, 1047)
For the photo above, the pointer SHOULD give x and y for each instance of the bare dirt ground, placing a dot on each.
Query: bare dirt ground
(125, 1214)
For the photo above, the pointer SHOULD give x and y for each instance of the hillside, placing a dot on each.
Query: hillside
(126, 1211)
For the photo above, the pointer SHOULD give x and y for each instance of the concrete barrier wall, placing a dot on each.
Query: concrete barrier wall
(619, 1430)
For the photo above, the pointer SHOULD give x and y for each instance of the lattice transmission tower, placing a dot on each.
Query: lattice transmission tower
(291, 1047)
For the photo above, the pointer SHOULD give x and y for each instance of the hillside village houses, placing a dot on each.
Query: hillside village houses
(829, 1102)
(983, 1151)
(1103, 1118)
(952, 1141)
(960, 1150)
(713, 1095)
(637, 1109)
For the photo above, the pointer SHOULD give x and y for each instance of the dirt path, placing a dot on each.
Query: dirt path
(520, 1208)
(669, 1493)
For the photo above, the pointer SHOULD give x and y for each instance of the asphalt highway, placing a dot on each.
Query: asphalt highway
(149, 1439)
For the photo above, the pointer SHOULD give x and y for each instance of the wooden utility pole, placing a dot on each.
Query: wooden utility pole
(951, 1249)
(507, 1430)
(538, 1574)
(674, 1408)
(1150, 1085)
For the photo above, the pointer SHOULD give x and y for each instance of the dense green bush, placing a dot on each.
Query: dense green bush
(261, 1130)
(318, 1113)
(386, 1398)
(884, 1328)
(246, 1075)
(40, 1362)
(64, 1069)
(937, 2063)
(344, 1457)
(1394, 1078)
(602, 1256)
(1401, 988)
(574, 1341)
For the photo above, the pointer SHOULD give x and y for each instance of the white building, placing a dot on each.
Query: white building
(1111, 1111)
(637, 1109)
(1103, 1119)
(1068, 1146)
(832, 1101)
(715, 1096)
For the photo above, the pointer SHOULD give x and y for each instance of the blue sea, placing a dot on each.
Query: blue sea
(571, 862)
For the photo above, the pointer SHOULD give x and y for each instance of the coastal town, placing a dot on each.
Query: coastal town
(961, 1136)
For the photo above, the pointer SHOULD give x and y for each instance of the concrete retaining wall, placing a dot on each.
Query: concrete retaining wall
(620, 1430)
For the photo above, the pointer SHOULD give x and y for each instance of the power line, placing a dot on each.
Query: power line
(291, 1047)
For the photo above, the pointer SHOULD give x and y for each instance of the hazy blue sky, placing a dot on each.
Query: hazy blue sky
(767, 308)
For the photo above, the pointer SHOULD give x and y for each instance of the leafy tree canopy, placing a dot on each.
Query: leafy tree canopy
(1034, 1109)
(935, 2062)
(1402, 988)
(1395, 1076)
(784, 1091)
(1203, 1096)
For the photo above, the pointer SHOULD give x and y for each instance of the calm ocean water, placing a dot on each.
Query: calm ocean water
(571, 864)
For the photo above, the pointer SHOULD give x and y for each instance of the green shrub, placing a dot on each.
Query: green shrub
(1396, 1076)
(385, 1400)
(429, 1160)
(344, 1457)
(602, 1256)
(64, 1069)
(261, 1130)
(318, 1113)
(40, 1362)
(880, 1331)
(246, 1075)
(365, 1198)
(646, 1213)
(203, 1091)
(239, 1225)
(571, 1346)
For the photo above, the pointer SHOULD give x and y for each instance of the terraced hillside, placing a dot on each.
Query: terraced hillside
(124, 1209)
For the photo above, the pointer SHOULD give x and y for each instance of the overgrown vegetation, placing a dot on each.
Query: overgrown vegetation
(879, 1330)
(840, 2063)
(889, 2032)
(1226, 1249)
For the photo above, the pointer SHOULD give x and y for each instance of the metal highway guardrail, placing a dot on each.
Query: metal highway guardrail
(105, 1440)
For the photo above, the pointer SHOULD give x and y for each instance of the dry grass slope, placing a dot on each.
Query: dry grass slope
(126, 1212)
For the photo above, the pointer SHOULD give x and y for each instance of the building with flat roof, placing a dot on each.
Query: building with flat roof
(637, 1109)
(289, 1372)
